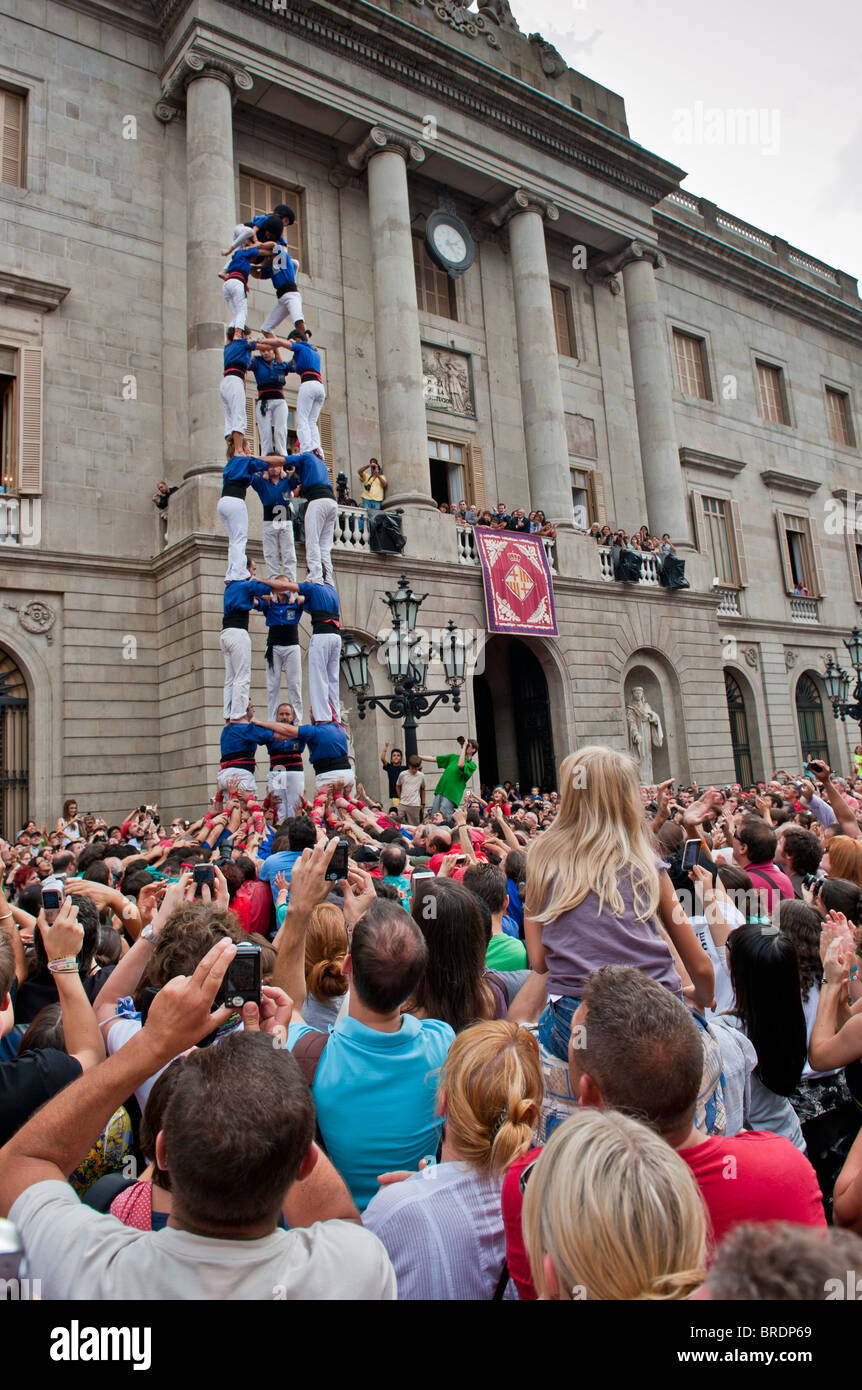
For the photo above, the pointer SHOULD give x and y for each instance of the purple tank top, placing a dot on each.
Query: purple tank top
(580, 941)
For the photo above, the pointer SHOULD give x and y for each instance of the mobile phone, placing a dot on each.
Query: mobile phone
(203, 874)
(338, 863)
(689, 854)
(52, 901)
(242, 983)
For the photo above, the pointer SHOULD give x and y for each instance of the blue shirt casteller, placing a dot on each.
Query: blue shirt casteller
(310, 470)
(240, 594)
(306, 358)
(237, 354)
(241, 469)
(269, 375)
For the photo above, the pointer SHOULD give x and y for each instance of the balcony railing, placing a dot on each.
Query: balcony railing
(650, 566)
(804, 610)
(469, 555)
(728, 605)
(351, 530)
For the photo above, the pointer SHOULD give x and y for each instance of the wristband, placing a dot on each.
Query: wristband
(64, 965)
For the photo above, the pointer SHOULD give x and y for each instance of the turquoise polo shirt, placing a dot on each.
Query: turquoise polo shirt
(375, 1097)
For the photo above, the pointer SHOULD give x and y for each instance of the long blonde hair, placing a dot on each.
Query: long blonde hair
(617, 1211)
(598, 834)
(492, 1084)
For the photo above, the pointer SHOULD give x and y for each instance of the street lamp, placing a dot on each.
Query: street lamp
(407, 655)
(838, 681)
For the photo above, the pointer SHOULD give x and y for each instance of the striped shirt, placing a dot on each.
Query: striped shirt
(443, 1231)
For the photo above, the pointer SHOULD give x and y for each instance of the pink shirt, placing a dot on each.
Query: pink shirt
(772, 880)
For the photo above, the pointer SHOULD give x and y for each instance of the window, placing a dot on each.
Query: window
(809, 718)
(20, 420)
(859, 562)
(435, 290)
(718, 538)
(14, 747)
(257, 197)
(691, 368)
(739, 738)
(446, 461)
(324, 424)
(840, 420)
(584, 497)
(12, 126)
(773, 397)
(800, 555)
(562, 306)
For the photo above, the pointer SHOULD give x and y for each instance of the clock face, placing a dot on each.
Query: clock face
(449, 242)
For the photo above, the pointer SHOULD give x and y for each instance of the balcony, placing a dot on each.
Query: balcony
(650, 567)
(804, 610)
(351, 530)
(728, 605)
(469, 555)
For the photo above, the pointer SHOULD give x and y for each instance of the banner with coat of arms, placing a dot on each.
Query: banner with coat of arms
(519, 595)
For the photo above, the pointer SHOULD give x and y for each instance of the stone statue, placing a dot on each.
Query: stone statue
(645, 733)
(500, 11)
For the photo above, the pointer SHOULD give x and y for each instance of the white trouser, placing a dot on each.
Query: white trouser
(232, 392)
(324, 651)
(233, 515)
(344, 775)
(237, 301)
(319, 521)
(279, 551)
(288, 303)
(288, 789)
(238, 778)
(236, 650)
(309, 399)
(286, 660)
(272, 426)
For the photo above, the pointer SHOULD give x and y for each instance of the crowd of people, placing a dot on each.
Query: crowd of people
(489, 1044)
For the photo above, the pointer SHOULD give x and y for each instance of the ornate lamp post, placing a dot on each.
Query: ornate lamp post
(407, 656)
(837, 681)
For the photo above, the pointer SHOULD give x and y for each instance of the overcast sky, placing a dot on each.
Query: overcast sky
(681, 65)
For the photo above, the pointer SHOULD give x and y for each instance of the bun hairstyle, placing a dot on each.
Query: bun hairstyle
(325, 948)
(491, 1086)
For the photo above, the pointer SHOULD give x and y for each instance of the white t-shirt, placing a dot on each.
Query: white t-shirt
(79, 1253)
(409, 786)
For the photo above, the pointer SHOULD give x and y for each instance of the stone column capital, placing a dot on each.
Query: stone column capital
(606, 270)
(381, 140)
(522, 200)
(193, 64)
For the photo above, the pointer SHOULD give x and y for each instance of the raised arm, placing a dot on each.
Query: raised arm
(9, 929)
(63, 941)
(844, 813)
(682, 935)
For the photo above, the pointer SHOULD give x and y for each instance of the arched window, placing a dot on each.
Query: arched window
(14, 745)
(809, 716)
(738, 730)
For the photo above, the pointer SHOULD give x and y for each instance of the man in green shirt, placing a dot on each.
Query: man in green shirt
(488, 882)
(457, 771)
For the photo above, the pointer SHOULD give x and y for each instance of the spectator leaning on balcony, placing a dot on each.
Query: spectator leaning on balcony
(373, 486)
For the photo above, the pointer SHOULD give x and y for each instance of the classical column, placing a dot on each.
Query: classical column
(206, 84)
(665, 495)
(401, 403)
(538, 360)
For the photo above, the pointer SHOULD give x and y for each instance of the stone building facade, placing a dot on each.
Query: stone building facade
(617, 350)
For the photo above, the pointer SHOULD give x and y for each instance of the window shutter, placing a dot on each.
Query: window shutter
(478, 494)
(818, 586)
(599, 497)
(784, 553)
(250, 422)
(327, 441)
(12, 131)
(853, 542)
(738, 546)
(699, 523)
(30, 420)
